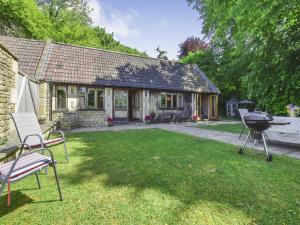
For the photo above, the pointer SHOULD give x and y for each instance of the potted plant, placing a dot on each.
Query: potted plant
(195, 118)
(147, 119)
(110, 121)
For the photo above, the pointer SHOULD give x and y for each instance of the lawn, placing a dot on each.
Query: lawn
(158, 177)
(232, 128)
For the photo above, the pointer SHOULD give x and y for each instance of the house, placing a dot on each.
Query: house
(233, 104)
(83, 86)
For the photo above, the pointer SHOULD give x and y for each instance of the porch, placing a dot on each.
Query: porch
(89, 106)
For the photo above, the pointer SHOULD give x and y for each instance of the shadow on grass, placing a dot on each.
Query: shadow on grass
(18, 199)
(190, 169)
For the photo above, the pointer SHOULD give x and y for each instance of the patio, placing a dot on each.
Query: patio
(155, 176)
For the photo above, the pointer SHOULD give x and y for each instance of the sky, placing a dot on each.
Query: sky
(145, 24)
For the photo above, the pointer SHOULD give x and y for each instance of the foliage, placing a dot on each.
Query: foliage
(256, 43)
(65, 21)
(161, 53)
(191, 44)
(157, 177)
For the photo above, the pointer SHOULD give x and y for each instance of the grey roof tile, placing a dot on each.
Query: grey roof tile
(82, 65)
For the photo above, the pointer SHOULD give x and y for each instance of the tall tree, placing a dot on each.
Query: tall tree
(65, 21)
(260, 42)
(191, 44)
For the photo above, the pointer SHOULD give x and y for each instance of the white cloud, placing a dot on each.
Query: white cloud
(121, 24)
(164, 23)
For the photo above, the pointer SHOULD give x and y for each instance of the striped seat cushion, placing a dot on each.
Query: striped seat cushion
(25, 166)
(50, 142)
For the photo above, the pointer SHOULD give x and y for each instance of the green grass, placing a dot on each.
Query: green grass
(158, 177)
(232, 128)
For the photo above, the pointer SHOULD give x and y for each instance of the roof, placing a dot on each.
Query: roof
(27, 51)
(232, 101)
(246, 102)
(81, 65)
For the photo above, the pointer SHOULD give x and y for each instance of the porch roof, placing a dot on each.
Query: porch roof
(81, 65)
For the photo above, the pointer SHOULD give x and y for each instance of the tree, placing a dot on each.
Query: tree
(191, 44)
(161, 53)
(258, 43)
(65, 21)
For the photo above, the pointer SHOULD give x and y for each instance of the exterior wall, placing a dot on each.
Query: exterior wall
(108, 102)
(68, 120)
(44, 105)
(8, 92)
(146, 103)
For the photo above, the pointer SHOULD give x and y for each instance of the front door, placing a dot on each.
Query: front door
(198, 104)
(213, 107)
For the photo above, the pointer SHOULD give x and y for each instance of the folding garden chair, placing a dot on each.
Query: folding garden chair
(27, 124)
(28, 163)
(242, 113)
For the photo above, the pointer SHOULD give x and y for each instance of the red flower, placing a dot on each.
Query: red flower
(147, 117)
(109, 119)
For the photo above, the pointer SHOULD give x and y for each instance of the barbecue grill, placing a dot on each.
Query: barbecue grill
(258, 122)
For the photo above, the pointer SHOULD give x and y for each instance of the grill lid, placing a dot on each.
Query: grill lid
(253, 116)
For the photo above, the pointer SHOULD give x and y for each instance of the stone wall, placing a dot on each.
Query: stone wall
(69, 120)
(44, 103)
(8, 93)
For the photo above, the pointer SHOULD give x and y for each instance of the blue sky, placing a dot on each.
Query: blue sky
(146, 24)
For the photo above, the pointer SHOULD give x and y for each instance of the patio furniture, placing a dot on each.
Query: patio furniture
(28, 163)
(242, 113)
(27, 125)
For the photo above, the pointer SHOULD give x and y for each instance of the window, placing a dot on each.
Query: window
(82, 97)
(100, 99)
(180, 100)
(174, 101)
(61, 97)
(120, 100)
(163, 100)
(91, 98)
(171, 100)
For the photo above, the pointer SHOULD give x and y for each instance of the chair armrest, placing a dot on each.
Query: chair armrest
(11, 170)
(57, 132)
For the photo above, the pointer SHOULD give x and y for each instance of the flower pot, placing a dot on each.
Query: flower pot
(147, 121)
(110, 124)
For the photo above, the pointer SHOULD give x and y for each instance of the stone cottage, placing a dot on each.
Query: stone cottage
(84, 85)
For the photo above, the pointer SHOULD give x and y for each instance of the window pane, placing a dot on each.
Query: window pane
(162, 100)
(174, 101)
(121, 100)
(100, 99)
(168, 101)
(81, 96)
(61, 98)
(91, 98)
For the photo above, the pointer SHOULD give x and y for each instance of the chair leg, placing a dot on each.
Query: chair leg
(57, 182)
(8, 193)
(241, 133)
(38, 180)
(2, 188)
(66, 153)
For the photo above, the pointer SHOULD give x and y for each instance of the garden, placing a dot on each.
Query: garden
(158, 177)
